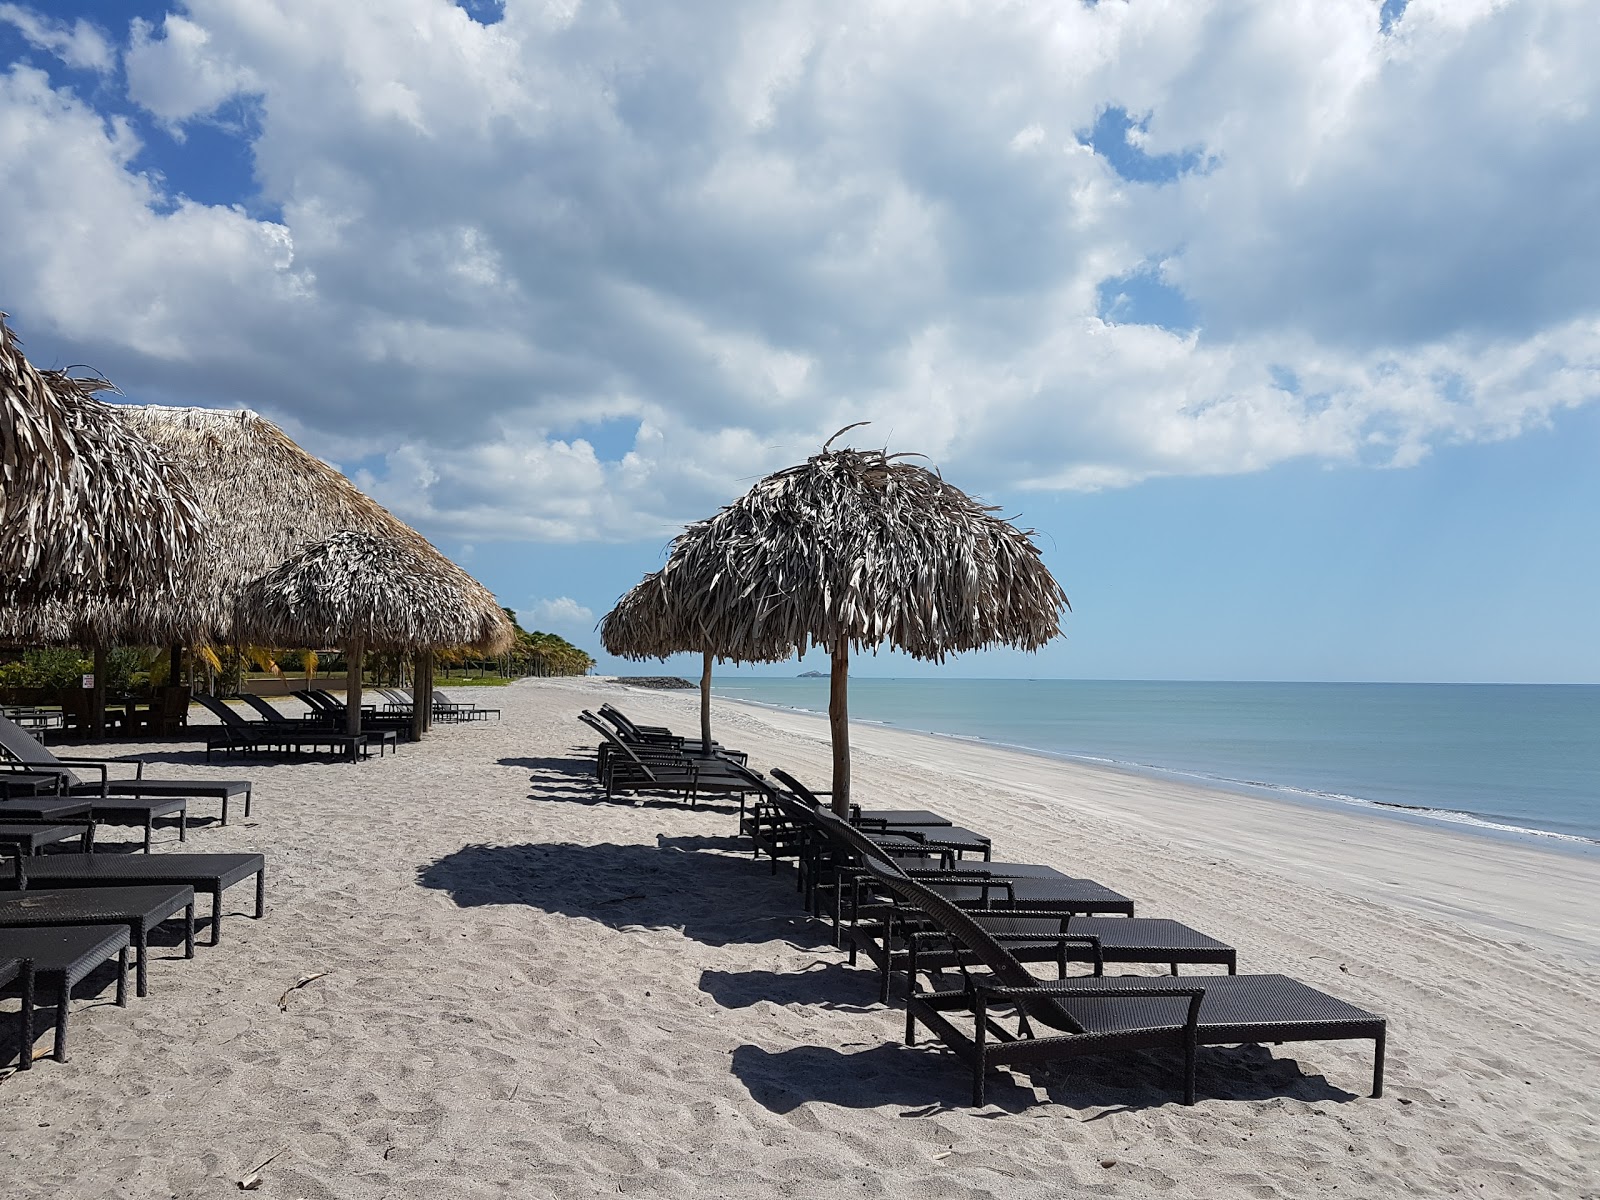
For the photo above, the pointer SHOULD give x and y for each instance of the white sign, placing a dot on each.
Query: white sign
(88, 681)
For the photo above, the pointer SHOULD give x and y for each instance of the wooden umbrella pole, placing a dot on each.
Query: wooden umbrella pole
(353, 655)
(705, 705)
(422, 695)
(418, 725)
(839, 724)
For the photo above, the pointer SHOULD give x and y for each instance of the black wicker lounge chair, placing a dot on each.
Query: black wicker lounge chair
(1098, 1016)
(62, 957)
(387, 735)
(24, 839)
(138, 909)
(626, 768)
(112, 810)
(210, 874)
(237, 734)
(36, 760)
(660, 735)
(16, 974)
(47, 808)
(465, 712)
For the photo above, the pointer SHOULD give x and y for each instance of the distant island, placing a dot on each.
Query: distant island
(812, 675)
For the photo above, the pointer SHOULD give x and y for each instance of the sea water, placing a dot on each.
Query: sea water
(1513, 759)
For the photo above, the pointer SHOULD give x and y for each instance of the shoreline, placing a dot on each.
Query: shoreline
(1499, 886)
(1422, 815)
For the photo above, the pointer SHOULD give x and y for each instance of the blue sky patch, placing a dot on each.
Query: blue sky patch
(1142, 297)
(1110, 140)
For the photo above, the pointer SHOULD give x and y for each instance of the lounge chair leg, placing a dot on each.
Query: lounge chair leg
(224, 808)
(188, 930)
(911, 1026)
(122, 978)
(25, 1051)
(148, 822)
(1174, 968)
(247, 792)
(63, 1003)
(261, 893)
(183, 823)
(141, 969)
(1377, 1062)
(216, 915)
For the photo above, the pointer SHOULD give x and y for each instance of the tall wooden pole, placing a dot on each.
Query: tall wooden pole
(705, 705)
(97, 697)
(175, 666)
(839, 725)
(353, 655)
(418, 724)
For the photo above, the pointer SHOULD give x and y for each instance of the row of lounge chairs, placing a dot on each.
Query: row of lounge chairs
(444, 708)
(899, 890)
(65, 911)
(635, 759)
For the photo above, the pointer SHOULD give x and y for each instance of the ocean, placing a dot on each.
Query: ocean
(1508, 760)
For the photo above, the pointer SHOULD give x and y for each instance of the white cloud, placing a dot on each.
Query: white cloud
(561, 613)
(589, 269)
(81, 44)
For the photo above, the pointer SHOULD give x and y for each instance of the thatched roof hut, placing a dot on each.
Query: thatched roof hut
(642, 624)
(86, 505)
(855, 549)
(386, 592)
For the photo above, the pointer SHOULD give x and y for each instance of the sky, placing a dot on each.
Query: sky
(1279, 322)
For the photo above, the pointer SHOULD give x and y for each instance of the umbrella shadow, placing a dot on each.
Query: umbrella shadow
(712, 898)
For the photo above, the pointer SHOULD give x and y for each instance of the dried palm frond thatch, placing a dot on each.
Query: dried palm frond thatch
(87, 506)
(643, 625)
(855, 549)
(386, 592)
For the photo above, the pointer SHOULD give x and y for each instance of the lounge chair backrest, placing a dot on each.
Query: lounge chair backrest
(805, 794)
(589, 719)
(220, 710)
(620, 720)
(262, 707)
(999, 961)
(25, 748)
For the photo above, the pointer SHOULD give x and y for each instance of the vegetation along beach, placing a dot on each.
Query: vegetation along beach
(683, 600)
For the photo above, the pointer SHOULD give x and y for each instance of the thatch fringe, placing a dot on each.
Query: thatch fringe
(853, 548)
(86, 505)
(384, 592)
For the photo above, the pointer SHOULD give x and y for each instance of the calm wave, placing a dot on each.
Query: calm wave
(1508, 758)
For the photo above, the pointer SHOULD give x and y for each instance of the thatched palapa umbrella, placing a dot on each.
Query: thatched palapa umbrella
(854, 549)
(261, 497)
(644, 625)
(87, 506)
(373, 591)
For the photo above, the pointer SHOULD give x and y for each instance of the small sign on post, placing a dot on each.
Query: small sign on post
(88, 681)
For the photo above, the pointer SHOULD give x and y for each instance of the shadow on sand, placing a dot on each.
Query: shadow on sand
(712, 898)
(933, 1079)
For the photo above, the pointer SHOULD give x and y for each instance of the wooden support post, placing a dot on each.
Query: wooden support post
(354, 653)
(839, 726)
(175, 666)
(705, 705)
(419, 724)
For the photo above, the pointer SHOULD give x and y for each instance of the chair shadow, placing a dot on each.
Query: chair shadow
(830, 985)
(575, 767)
(893, 1075)
(712, 898)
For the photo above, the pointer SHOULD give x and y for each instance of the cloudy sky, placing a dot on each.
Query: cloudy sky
(1280, 321)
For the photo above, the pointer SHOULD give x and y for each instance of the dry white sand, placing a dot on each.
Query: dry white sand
(532, 992)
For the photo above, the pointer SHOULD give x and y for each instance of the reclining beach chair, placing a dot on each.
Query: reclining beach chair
(1100, 1016)
(23, 839)
(387, 735)
(35, 759)
(62, 957)
(137, 909)
(211, 874)
(660, 735)
(625, 768)
(236, 733)
(465, 712)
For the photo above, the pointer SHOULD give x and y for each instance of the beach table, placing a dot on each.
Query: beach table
(139, 909)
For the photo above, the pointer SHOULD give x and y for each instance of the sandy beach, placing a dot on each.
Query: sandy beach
(525, 990)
